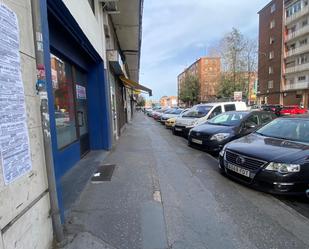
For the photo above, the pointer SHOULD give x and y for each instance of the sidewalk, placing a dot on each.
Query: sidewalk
(126, 212)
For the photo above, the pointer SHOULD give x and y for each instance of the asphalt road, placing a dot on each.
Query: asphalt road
(166, 195)
(204, 209)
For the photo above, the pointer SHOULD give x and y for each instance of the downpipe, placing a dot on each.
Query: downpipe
(42, 92)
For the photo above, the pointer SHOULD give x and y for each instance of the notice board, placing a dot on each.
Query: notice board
(14, 138)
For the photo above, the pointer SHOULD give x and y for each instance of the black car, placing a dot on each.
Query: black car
(274, 159)
(220, 130)
(273, 108)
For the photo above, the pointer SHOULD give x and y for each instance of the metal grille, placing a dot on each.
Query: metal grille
(246, 162)
(199, 135)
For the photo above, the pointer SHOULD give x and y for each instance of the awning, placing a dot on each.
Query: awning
(135, 86)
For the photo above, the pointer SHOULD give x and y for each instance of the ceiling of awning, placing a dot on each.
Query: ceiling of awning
(127, 24)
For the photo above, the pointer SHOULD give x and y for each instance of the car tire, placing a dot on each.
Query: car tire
(221, 171)
(175, 132)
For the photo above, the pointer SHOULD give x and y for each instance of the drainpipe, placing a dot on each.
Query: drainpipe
(42, 91)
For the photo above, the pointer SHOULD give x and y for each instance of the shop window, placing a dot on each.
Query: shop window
(62, 81)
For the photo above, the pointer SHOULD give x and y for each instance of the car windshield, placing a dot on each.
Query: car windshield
(289, 129)
(178, 111)
(227, 119)
(198, 111)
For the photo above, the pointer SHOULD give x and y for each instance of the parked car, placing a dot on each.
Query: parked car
(158, 113)
(293, 109)
(274, 159)
(173, 113)
(226, 127)
(170, 123)
(272, 108)
(199, 114)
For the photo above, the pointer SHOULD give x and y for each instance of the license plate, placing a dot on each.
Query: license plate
(197, 141)
(238, 170)
(178, 129)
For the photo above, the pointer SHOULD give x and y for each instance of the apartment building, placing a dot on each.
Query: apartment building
(168, 101)
(283, 53)
(270, 52)
(207, 70)
(296, 53)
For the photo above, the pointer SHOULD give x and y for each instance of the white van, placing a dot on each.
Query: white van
(199, 114)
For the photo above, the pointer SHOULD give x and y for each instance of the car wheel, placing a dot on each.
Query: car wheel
(221, 171)
(175, 132)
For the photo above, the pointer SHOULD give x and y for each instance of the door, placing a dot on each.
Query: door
(114, 114)
(80, 80)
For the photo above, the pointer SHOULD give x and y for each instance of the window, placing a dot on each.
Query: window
(266, 118)
(271, 40)
(304, 22)
(254, 119)
(229, 108)
(270, 84)
(303, 59)
(302, 78)
(215, 112)
(273, 8)
(303, 42)
(270, 70)
(271, 55)
(272, 24)
(62, 78)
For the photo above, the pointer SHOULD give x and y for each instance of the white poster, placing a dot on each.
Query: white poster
(14, 137)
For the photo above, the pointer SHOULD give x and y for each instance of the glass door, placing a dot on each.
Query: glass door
(80, 80)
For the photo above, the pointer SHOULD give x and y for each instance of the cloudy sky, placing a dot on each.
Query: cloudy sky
(177, 32)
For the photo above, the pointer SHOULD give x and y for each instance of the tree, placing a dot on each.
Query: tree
(189, 91)
(239, 60)
(141, 101)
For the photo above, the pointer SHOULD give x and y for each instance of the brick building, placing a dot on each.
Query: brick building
(207, 70)
(168, 101)
(283, 53)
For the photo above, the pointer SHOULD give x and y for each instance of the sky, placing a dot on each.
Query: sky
(178, 32)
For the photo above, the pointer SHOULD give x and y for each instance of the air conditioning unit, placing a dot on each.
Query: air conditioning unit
(110, 6)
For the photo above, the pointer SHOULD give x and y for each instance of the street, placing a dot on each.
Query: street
(164, 194)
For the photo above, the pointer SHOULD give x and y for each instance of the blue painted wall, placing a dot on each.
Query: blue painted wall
(63, 36)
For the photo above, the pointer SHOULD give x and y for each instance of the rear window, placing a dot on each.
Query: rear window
(229, 108)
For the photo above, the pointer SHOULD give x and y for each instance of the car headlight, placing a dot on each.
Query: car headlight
(220, 137)
(283, 167)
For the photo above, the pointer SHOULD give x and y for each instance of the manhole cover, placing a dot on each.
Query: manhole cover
(103, 173)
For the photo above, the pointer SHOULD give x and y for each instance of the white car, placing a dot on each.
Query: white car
(171, 114)
(199, 114)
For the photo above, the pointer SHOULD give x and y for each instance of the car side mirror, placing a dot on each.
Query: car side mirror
(250, 125)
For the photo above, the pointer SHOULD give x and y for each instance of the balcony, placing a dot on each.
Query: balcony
(298, 33)
(298, 51)
(297, 68)
(296, 16)
(296, 86)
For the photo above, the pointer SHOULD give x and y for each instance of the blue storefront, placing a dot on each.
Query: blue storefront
(78, 92)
